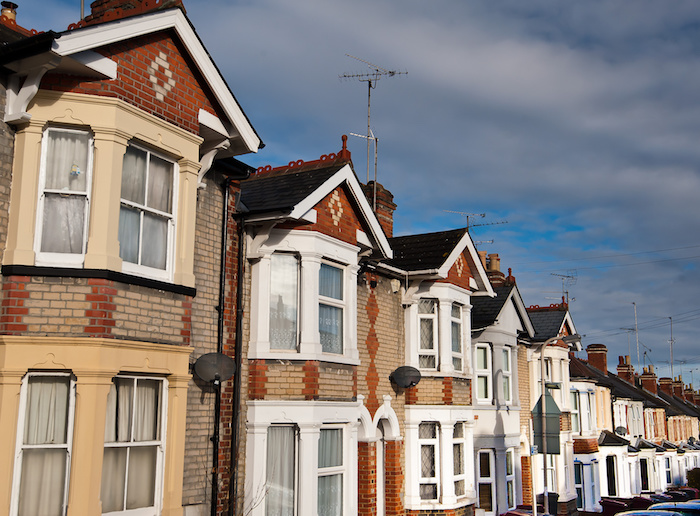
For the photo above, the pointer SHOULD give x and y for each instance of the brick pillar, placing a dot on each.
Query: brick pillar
(526, 469)
(393, 474)
(366, 479)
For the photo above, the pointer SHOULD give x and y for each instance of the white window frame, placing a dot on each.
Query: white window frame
(551, 471)
(160, 445)
(668, 471)
(312, 248)
(73, 260)
(574, 409)
(434, 443)
(138, 269)
(20, 447)
(456, 324)
(579, 486)
(432, 352)
(334, 303)
(483, 373)
(340, 469)
(490, 479)
(459, 442)
(510, 479)
(507, 372)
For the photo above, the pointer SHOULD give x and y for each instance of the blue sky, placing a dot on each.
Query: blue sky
(577, 124)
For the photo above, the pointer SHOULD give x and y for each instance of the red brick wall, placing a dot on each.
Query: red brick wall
(140, 62)
(367, 479)
(460, 273)
(393, 486)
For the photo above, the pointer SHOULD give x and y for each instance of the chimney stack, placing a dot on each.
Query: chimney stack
(385, 206)
(625, 370)
(688, 394)
(9, 10)
(482, 259)
(666, 385)
(648, 380)
(598, 357)
(678, 387)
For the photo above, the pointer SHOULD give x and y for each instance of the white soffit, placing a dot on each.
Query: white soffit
(88, 38)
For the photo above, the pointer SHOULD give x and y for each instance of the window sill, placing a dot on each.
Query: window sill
(65, 272)
(291, 356)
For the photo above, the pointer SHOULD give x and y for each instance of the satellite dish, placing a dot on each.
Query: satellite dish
(621, 430)
(405, 376)
(215, 367)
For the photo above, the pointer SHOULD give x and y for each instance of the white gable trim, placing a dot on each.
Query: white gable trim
(88, 38)
(347, 176)
(479, 274)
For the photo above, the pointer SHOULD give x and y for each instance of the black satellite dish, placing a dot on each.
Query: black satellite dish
(405, 376)
(621, 430)
(215, 367)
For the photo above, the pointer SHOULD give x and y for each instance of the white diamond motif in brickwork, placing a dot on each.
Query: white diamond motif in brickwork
(162, 88)
(460, 265)
(336, 207)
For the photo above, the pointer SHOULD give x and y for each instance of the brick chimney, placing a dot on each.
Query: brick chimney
(598, 357)
(9, 10)
(678, 387)
(688, 394)
(108, 10)
(385, 206)
(493, 271)
(666, 385)
(696, 398)
(648, 380)
(625, 370)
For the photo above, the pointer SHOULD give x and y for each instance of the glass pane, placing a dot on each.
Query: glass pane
(509, 463)
(482, 358)
(427, 430)
(147, 413)
(129, 231)
(506, 388)
(577, 473)
(506, 360)
(428, 491)
(426, 306)
(160, 185)
(426, 334)
(459, 488)
(141, 485)
(155, 241)
(457, 364)
(456, 337)
(67, 160)
(134, 176)
(330, 448)
(119, 411)
(427, 461)
(458, 458)
(330, 282)
(42, 483)
(485, 497)
(482, 387)
(330, 495)
(484, 465)
(46, 416)
(456, 311)
(458, 431)
(63, 224)
(279, 500)
(330, 326)
(426, 362)
(510, 494)
(284, 297)
(113, 479)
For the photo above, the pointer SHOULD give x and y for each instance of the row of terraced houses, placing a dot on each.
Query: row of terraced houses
(181, 334)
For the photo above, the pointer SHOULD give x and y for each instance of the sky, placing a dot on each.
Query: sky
(573, 126)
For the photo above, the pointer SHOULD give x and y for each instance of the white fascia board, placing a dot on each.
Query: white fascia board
(522, 311)
(213, 122)
(480, 276)
(97, 62)
(346, 175)
(88, 38)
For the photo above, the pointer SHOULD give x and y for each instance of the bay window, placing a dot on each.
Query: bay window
(427, 320)
(65, 180)
(44, 442)
(330, 308)
(284, 301)
(429, 460)
(133, 450)
(146, 218)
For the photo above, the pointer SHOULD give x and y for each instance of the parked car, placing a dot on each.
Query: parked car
(650, 512)
(689, 508)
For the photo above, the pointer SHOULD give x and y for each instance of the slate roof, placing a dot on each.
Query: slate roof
(485, 310)
(547, 323)
(281, 191)
(680, 406)
(607, 438)
(427, 251)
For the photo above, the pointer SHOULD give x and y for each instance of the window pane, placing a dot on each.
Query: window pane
(484, 465)
(506, 360)
(160, 185)
(506, 388)
(147, 413)
(134, 175)
(577, 472)
(426, 306)
(456, 337)
(426, 334)
(457, 364)
(482, 358)
(284, 297)
(459, 488)
(330, 495)
(119, 411)
(426, 362)
(63, 225)
(279, 500)
(46, 417)
(330, 282)
(427, 460)
(510, 494)
(42, 483)
(458, 431)
(456, 311)
(485, 497)
(330, 448)
(330, 326)
(67, 160)
(155, 240)
(427, 431)
(140, 488)
(428, 491)
(458, 458)
(482, 387)
(113, 476)
(509, 463)
(129, 231)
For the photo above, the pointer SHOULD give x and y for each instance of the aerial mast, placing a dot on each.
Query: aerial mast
(371, 79)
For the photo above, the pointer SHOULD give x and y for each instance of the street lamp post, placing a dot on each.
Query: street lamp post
(568, 339)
